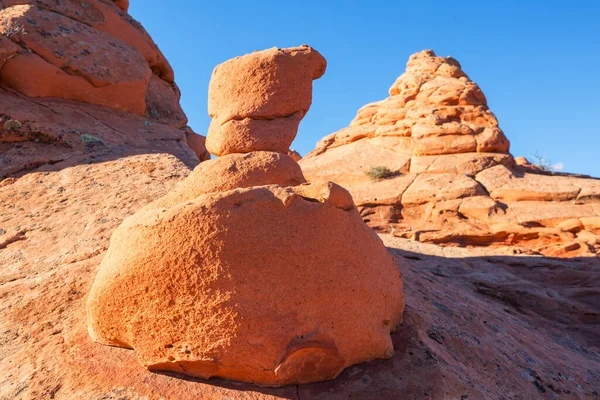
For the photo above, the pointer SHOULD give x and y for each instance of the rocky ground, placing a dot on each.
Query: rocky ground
(479, 324)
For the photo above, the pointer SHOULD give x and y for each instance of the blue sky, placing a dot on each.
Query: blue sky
(538, 62)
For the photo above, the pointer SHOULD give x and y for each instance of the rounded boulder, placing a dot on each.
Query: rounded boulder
(268, 285)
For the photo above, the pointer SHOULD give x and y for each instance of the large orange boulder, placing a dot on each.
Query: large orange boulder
(246, 272)
(252, 284)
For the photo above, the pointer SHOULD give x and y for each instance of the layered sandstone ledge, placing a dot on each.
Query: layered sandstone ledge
(451, 177)
(81, 79)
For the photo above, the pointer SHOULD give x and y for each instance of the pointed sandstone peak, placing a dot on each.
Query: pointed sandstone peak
(431, 163)
(425, 65)
(434, 110)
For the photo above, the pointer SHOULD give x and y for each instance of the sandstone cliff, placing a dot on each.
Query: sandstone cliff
(81, 81)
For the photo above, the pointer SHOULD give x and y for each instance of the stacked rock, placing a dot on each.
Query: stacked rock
(261, 110)
(245, 271)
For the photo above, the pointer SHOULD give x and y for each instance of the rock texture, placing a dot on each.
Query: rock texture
(261, 110)
(82, 79)
(480, 323)
(245, 271)
(451, 177)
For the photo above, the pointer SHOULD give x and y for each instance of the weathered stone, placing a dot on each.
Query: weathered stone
(436, 187)
(465, 163)
(548, 214)
(364, 155)
(235, 171)
(244, 254)
(505, 185)
(438, 119)
(240, 279)
(294, 154)
(257, 101)
(72, 60)
(383, 192)
(8, 49)
(246, 135)
(162, 102)
(91, 52)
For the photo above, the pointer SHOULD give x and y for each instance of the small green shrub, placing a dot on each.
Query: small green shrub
(86, 137)
(379, 172)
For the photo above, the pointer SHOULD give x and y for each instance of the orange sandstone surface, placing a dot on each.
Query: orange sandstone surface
(451, 177)
(261, 110)
(82, 80)
(76, 168)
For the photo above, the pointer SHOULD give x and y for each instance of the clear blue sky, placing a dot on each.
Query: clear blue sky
(538, 62)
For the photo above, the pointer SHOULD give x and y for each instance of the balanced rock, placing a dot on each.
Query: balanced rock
(245, 271)
(450, 177)
(261, 110)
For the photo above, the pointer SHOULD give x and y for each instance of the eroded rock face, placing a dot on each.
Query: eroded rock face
(261, 110)
(451, 177)
(245, 271)
(82, 79)
(89, 51)
(434, 110)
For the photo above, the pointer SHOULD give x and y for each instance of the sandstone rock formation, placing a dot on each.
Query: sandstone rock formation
(79, 78)
(262, 110)
(482, 323)
(451, 177)
(244, 271)
(294, 154)
(479, 323)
